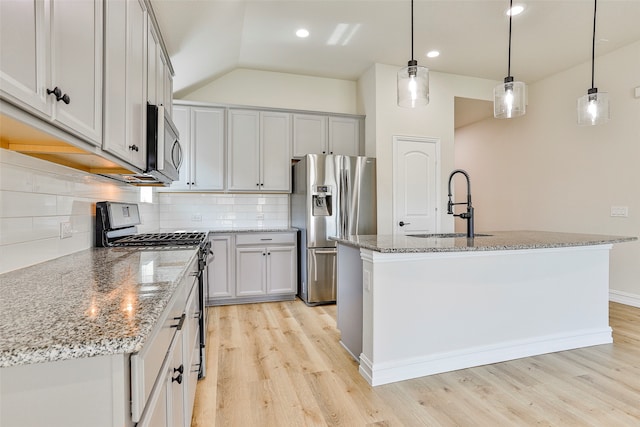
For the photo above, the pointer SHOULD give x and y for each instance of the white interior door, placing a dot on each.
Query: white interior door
(415, 184)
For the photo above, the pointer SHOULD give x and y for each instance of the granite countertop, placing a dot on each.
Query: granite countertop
(490, 241)
(99, 301)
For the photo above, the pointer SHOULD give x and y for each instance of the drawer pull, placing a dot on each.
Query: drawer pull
(177, 379)
(181, 321)
(266, 239)
(179, 369)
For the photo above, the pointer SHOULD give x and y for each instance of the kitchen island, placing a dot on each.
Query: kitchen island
(83, 338)
(414, 306)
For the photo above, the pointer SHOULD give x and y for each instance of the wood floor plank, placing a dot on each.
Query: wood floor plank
(281, 365)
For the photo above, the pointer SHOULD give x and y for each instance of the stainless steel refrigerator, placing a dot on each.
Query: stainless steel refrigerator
(332, 196)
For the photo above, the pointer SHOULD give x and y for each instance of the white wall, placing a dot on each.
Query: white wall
(279, 90)
(36, 196)
(435, 120)
(543, 172)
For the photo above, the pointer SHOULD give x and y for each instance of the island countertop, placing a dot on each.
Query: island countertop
(99, 301)
(489, 241)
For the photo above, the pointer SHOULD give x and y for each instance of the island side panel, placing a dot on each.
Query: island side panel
(427, 313)
(349, 299)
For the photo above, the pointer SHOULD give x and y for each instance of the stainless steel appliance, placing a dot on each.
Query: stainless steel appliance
(116, 227)
(332, 196)
(164, 153)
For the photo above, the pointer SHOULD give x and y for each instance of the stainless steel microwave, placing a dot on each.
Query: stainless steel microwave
(164, 153)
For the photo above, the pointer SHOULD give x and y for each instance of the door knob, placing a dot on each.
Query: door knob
(402, 223)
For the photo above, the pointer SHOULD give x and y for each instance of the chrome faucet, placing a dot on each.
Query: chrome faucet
(468, 215)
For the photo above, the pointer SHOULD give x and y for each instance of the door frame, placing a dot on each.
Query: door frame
(397, 140)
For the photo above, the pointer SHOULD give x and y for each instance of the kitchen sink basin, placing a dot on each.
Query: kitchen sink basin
(446, 235)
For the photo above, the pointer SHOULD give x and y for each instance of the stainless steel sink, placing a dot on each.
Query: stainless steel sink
(446, 235)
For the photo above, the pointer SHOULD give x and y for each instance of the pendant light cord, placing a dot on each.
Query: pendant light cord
(593, 44)
(412, 30)
(510, 16)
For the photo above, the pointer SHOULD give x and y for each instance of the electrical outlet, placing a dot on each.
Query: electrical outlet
(65, 230)
(196, 217)
(622, 211)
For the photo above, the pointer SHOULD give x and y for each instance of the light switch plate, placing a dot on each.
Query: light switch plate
(638, 92)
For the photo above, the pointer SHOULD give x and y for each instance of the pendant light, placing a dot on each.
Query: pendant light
(509, 97)
(413, 81)
(593, 108)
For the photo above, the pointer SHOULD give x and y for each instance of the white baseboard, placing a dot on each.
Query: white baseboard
(624, 298)
(399, 370)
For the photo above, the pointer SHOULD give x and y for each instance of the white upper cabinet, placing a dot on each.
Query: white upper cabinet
(320, 134)
(125, 94)
(344, 136)
(51, 61)
(202, 138)
(309, 134)
(259, 151)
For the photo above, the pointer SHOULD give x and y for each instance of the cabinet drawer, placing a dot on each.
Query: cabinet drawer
(265, 239)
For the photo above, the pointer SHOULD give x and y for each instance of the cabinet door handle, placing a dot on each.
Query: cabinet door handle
(133, 147)
(58, 94)
(179, 369)
(177, 379)
(402, 223)
(181, 321)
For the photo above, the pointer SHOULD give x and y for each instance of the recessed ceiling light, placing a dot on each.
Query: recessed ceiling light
(433, 54)
(515, 10)
(302, 33)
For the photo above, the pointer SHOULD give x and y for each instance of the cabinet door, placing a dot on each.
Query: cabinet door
(125, 82)
(281, 269)
(243, 160)
(309, 134)
(76, 65)
(153, 45)
(176, 383)
(23, 30)
(275, 150)
(250, 271)
(137, 82)
(182, 120)
(220, 271)
(207, 148)
(344, 136)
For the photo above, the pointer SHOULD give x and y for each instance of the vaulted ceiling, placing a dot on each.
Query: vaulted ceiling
(208, 38)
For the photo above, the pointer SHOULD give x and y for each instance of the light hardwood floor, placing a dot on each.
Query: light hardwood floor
(281, 364)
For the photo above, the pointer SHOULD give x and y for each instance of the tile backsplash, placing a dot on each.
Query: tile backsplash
(37, 196)
(198, 211)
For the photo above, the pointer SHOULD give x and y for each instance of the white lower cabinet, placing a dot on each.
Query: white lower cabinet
(154, 387)
(220, 270)
(253, 267)
(173, 388)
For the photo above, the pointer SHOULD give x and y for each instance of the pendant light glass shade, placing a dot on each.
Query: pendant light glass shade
(413, 86)
(413, 81)
(593, 108)
(509, 99)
